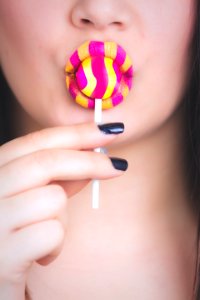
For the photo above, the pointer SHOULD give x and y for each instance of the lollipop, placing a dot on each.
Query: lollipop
(99, 70)
(99, 76)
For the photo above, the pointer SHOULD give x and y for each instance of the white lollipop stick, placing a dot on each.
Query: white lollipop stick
(95, 182)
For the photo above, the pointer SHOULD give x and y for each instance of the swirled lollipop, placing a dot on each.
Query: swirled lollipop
(99, 76)
(99, 70)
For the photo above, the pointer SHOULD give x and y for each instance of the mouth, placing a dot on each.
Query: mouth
(99, 70)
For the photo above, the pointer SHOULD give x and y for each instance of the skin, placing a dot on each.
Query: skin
(142, 238)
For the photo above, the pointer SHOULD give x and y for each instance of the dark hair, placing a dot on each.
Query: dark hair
(191, 105)
(5, 111)
(192, 120)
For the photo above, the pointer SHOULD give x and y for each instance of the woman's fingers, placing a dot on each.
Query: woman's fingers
(32, 206)
(81, 136)
(42, 167)
(27, 245)
(37, 173)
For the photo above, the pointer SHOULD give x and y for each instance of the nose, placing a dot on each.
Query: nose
(101, 14)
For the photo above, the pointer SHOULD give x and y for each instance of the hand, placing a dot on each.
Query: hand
(38, 174)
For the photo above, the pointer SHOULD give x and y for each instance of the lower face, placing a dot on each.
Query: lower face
(37, 38)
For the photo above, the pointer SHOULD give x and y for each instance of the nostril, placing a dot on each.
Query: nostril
(86, 21)
(118, 24)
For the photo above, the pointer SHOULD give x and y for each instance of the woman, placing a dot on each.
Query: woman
(144, 236)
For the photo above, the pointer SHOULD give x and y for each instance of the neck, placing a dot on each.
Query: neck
(156, 181)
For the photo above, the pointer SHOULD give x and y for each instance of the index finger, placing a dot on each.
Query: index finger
(74, 137)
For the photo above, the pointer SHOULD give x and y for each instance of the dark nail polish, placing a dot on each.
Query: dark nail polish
(119, 163)
(112, 128)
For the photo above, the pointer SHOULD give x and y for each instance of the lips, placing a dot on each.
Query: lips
(99, 70)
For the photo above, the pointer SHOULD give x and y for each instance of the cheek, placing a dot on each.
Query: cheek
(27, 50)
(162, 71)
(19, 35)
(33, 36)
(168, 64)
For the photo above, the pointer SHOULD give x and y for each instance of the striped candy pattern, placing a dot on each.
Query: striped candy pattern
(99, 70)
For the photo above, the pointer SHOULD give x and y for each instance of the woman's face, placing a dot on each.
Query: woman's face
(37, 38)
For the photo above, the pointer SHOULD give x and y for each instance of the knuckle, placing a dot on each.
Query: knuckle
(50, 228)
(57, 230)
(58, 196)
(43, 160)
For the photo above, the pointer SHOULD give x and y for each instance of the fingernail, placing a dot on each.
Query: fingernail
(119, 163)
(112, 128)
